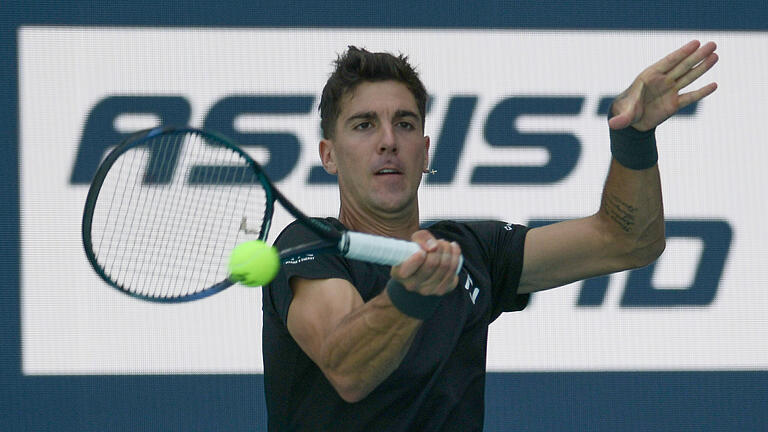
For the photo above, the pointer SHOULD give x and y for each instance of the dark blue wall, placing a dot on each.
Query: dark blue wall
(722, 400)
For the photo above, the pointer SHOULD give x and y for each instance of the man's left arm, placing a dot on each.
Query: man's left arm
(628, 229)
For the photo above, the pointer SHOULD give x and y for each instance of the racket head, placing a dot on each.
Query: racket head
(165, 209)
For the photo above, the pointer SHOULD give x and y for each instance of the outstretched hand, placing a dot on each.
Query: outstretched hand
(655, 96)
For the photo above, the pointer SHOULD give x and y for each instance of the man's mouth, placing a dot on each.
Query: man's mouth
(388, 171)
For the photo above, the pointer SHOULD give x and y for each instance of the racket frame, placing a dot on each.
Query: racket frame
(137, 140)
(354, 245)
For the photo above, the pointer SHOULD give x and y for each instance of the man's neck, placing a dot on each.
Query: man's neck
(400, 226)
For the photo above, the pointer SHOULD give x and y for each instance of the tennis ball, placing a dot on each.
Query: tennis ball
(253, 263)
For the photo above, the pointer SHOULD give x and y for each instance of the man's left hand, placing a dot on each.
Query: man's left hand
(655, 96)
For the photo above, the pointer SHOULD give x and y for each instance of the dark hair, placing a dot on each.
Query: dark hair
(357, 66)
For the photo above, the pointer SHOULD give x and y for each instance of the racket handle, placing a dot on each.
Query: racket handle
(379, 250)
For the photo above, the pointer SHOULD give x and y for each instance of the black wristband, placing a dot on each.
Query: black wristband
(410, 303)
(634, 149)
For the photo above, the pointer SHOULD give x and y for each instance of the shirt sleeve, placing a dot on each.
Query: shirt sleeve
(507, 243)
(277, 295)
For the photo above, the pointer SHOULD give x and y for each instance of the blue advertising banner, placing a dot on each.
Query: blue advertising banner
(519, 93)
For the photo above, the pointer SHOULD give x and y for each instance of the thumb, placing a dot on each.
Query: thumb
(620, 121)
(626, 108)
(425, 239)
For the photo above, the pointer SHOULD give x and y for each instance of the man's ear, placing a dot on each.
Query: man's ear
(426, 154)
(327, 156)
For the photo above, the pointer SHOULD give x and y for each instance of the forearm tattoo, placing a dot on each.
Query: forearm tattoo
(620, 212)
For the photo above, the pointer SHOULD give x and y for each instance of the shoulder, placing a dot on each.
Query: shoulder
(484, 231)
(297, 232)
(493, 252)
(488, 240)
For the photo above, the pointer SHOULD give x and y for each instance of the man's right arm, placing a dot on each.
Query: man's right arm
(359, 344)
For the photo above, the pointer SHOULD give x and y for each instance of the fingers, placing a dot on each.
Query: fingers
(674, 58)
(428, 243)
(689, 62)
(431, 271)
(439, 269)
(655, 95)
(425, 239)
(690, 69)
(410, 266)
(699, 70)
(691, 97)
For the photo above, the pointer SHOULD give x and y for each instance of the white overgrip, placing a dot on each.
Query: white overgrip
(381, 250)
(378, 249)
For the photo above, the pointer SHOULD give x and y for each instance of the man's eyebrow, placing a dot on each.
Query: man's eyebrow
(365, 115)
(406, 113)
(371, 115)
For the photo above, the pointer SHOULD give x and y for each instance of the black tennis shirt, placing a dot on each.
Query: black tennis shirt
(440, 384)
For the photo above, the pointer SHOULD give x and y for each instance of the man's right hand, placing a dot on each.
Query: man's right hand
(433, 269)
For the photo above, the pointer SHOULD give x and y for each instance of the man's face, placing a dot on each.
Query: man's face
(378, 150)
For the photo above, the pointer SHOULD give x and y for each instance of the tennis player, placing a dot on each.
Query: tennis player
(352, 346)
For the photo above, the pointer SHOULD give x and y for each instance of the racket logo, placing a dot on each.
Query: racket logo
(244, 227)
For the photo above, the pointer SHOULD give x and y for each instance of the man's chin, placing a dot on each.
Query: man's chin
(395, 205)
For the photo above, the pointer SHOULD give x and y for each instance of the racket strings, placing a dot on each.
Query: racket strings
(154, 228)
(127, 197)
(208, 248)
(159, 230)
(158, 234)
(224, 201)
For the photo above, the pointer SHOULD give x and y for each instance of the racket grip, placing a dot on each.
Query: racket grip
(380, 250)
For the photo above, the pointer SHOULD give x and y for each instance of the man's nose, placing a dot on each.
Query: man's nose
(388, 141)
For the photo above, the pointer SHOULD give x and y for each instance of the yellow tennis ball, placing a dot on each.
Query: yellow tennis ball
(253, 263)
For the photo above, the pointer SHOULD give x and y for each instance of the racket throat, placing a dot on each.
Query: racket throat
(343, 245)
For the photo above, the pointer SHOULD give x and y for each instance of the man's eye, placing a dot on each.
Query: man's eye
(405, 125)
(363, 125)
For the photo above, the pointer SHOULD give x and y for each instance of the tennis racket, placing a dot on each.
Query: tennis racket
(167, 206)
